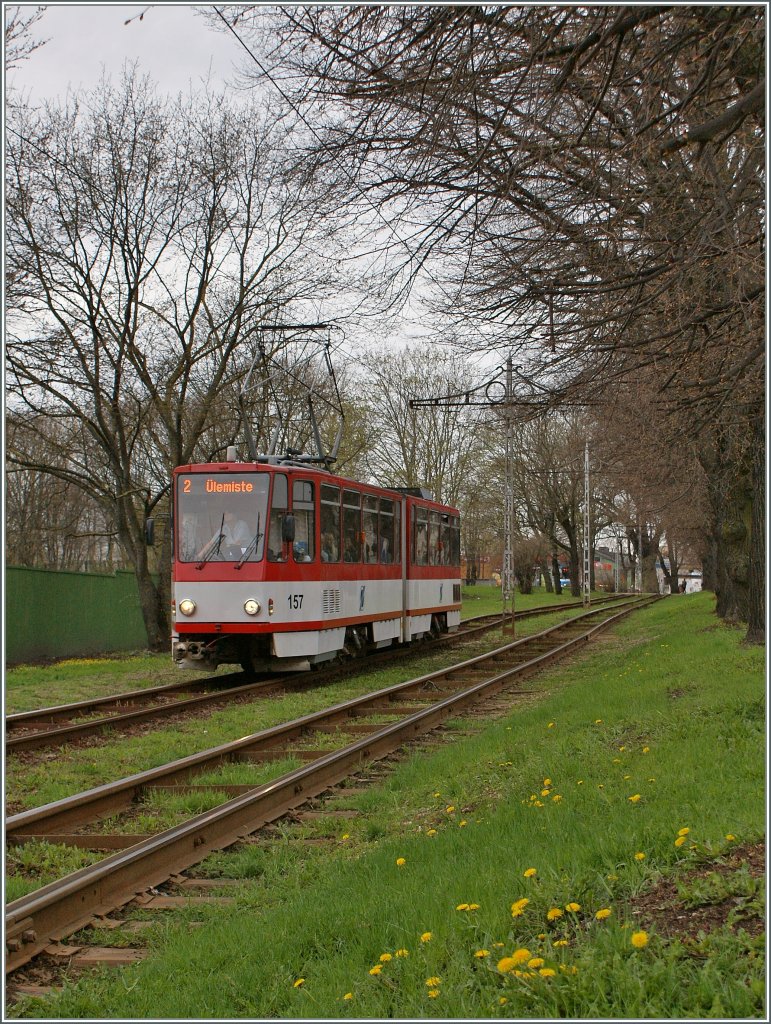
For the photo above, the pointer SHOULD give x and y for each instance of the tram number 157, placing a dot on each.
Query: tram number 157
(295, 600)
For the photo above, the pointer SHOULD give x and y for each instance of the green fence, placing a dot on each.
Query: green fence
(51, 614)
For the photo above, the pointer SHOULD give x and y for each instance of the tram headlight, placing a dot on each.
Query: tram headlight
(252, 607)
(186, 606)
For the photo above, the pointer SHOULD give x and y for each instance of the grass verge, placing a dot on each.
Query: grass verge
(511, 872)
(28, 687)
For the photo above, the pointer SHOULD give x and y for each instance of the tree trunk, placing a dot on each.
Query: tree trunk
(555, 571)
(549, 584)
(667, 574)
(154, 601)
(709, 567)
(525, 581)
(756, 628)
(151, 603)
(733, 521)
(728, 463)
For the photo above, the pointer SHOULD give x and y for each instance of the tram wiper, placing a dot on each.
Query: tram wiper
(252, 544)
(214, 549)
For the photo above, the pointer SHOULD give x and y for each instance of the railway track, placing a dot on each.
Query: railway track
(361, 731)
(65, 723)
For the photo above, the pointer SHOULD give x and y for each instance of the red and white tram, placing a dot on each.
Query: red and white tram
(279, 565)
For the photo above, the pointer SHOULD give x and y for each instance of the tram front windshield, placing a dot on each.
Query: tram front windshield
(221, 516)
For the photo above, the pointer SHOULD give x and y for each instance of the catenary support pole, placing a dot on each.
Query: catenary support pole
(587, 589)
(508, 503)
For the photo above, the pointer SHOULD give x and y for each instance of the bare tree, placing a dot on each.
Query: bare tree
(146, 240)
(433, 446)
(20, 43)
(49, 522)
(594, 178)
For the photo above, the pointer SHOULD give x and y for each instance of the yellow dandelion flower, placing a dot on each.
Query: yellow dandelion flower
(554, 914)
(507, 964)
(679, 841)
(431, 832)
(602, 914)
(535, 961)
(402, 952)
(461, 824)
(545, 792)
(639, 939)
(547, 972)
(616, 760)
(482, 953)
(345, 836)
(437, 794)
(561, 942)
(462, 906)
(425, 937)
(572, 907)
(646, 750)
(473, 906)
(433, 993)
(502, 1001)
(600, 785)
(300, 981)
(547, 782)
(731, 837)
(542, 935)
(622, 748)
(634, 799)
(450, 809)
(400, 862)
(376, 969)
(612, 878)
(348, 995)
(498, 945)
(551, 725)
(627, 777)
(556, 798)
(518, 907)
(598, 721)
(580, 782)
(651, 780)
(639, 856)
(385, 957)
(683, 831)
(433, 982)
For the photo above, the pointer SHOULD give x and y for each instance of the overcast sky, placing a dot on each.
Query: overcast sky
(172, 44)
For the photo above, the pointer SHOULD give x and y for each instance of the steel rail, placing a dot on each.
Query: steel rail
(61, 907)
(110, 798)
(224, 692)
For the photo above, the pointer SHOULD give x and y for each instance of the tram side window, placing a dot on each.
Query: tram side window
(420, 536)
(351, 526)
(387, 545)
(369, 528)
(278, 509)
(330, 523)
(445, 541)
(454, 541)
(303, 509)
(434, 550)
